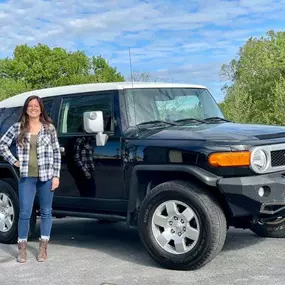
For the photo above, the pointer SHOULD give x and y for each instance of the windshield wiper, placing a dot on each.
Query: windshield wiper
(186, 120)
(216, 119)
(155, 122)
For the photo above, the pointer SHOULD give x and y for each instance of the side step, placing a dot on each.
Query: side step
(62, 213)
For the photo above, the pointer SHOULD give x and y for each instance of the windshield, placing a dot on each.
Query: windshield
(169, 104)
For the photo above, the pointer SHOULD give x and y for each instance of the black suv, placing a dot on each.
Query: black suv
(164, 160)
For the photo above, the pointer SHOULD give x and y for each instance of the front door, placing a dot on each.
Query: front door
(91, 176)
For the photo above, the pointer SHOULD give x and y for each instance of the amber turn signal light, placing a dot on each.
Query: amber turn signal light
(223, 159)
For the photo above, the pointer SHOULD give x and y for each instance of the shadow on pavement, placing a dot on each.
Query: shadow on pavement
(11, 250)
(117, 240)
(238, 239)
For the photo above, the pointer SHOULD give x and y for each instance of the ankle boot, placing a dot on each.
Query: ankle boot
(22, 252)
(43, 250)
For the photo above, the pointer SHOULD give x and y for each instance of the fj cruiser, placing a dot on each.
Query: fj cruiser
(165, 160)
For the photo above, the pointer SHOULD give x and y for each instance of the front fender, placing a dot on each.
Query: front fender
(199, 173)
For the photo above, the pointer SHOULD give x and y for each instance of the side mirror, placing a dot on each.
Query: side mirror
(93, 123)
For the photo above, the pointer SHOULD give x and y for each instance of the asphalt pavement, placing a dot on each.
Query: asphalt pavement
(85, 252)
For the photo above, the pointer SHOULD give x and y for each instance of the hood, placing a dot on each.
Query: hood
(231, 132)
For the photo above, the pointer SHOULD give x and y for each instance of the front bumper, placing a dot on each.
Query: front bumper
(242, 194)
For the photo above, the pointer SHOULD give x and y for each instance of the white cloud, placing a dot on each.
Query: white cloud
(189, 40)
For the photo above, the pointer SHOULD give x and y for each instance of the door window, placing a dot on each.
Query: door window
(48, 106)
(73, 107)
(9, 117)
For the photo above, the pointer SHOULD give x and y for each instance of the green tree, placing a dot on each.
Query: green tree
(42, 67)
(10, 87)
(138, 76)
(103, 72)
(255, 91)
(142, 77)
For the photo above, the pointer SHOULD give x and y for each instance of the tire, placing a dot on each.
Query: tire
(274, 229)
(12, 182)
(9, 234)
(208, 223)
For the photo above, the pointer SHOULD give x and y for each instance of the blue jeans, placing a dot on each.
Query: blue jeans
(27, 192)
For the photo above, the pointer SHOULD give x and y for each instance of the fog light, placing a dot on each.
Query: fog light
(261, 191)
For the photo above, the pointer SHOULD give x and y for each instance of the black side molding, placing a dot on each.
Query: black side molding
(5, 165)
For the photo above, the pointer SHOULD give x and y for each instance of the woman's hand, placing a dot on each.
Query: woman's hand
(17, 164)
(55, 183)
(87, 175)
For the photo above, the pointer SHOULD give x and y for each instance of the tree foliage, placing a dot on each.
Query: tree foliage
(255, 88)
(142, 77)
(10, 87)
(42, 67)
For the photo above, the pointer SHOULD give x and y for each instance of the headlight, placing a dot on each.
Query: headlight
(259, 160)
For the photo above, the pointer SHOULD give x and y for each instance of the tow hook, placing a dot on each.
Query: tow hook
(257, 220)
(261, 221)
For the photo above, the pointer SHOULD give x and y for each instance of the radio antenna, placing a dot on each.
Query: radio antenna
(131, 69)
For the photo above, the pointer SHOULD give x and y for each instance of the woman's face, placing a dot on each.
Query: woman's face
(34, 109)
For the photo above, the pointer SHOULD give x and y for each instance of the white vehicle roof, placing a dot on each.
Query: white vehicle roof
(19, 100)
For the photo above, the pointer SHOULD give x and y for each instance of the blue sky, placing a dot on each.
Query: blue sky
(179, 41)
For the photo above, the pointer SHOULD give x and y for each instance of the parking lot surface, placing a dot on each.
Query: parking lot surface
(83, 251)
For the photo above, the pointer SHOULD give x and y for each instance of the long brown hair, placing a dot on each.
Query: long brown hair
(24, 118)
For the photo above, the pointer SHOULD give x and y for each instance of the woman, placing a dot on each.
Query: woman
(39, 161)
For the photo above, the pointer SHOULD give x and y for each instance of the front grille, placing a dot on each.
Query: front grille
(278, 157)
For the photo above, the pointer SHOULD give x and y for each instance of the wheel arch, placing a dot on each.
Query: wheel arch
(146, 177)
(9, 174)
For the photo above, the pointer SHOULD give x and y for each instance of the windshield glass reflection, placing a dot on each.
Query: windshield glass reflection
(169, 104)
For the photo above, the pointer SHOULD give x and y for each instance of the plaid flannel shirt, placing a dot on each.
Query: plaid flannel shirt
(83, 155)
(48, 151)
